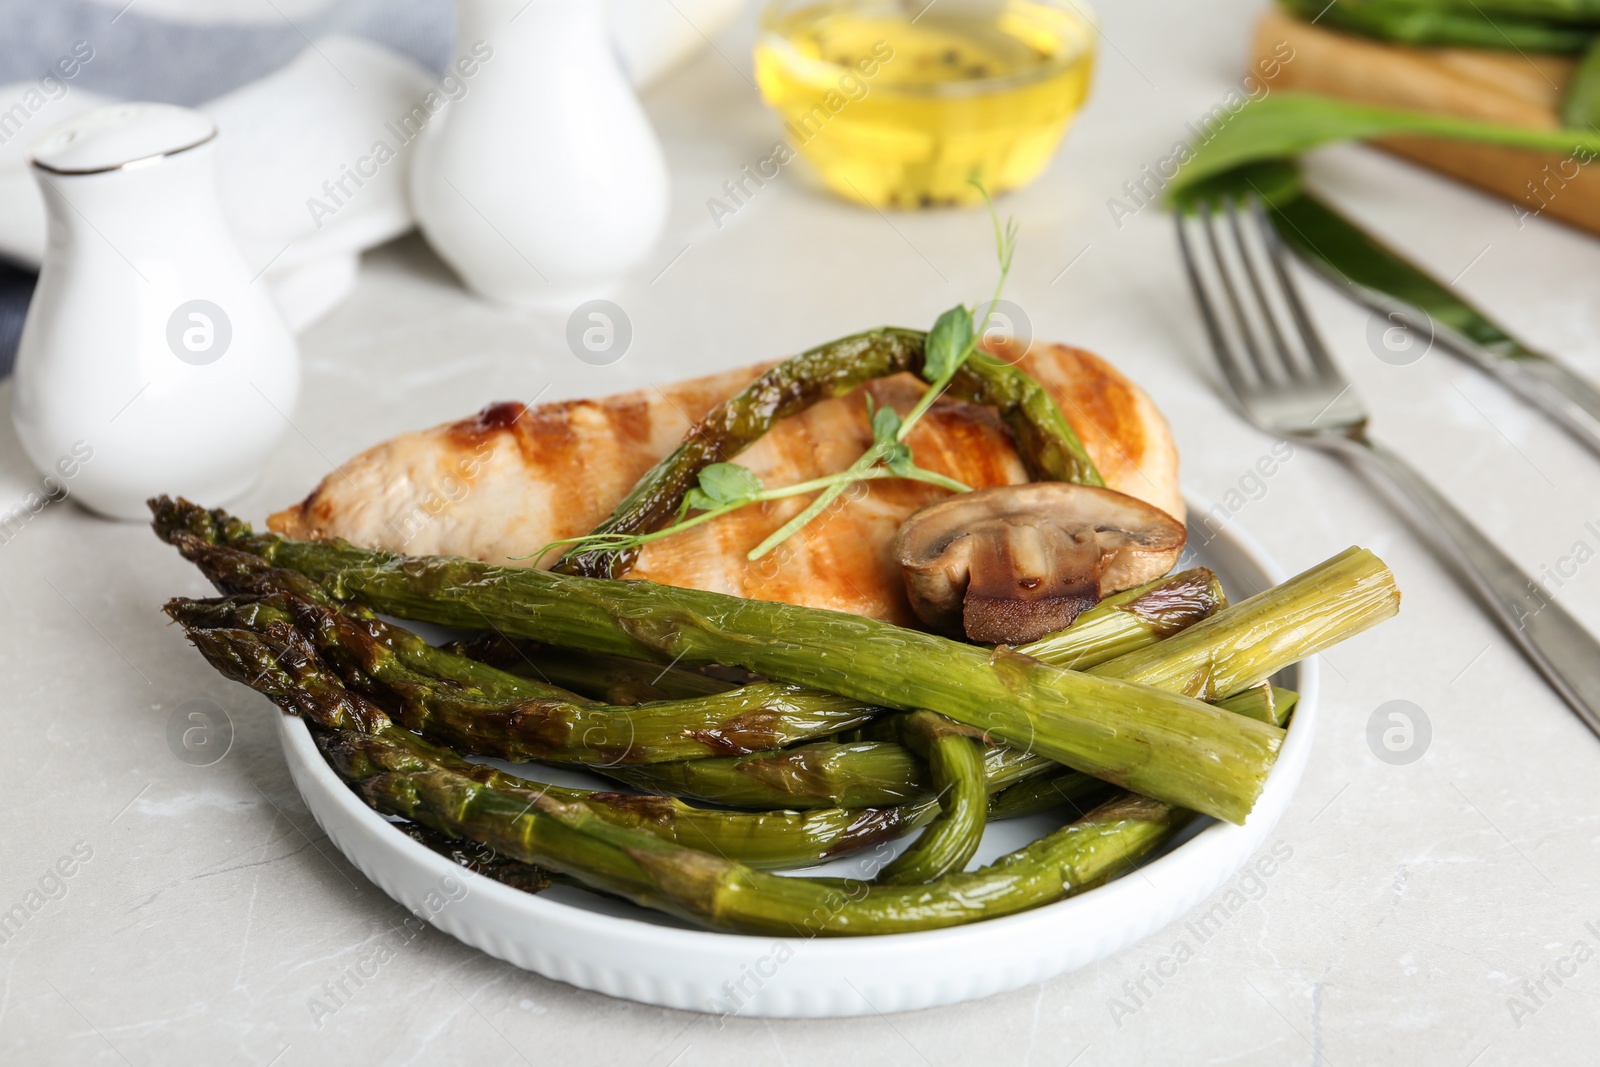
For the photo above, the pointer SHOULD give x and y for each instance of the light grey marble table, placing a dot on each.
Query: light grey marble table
(1441, 912)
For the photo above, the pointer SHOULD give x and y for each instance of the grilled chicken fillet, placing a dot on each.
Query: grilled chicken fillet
(512, 478)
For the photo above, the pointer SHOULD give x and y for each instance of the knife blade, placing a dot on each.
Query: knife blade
(1378, 277)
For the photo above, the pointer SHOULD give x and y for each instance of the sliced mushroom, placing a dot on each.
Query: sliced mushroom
(1013, 563)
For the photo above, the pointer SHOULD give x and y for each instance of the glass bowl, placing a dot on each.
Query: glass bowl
(905, 104)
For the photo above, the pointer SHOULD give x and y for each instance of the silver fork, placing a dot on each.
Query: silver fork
(1252, 310)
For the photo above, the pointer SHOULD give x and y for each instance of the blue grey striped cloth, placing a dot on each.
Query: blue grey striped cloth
(184, 52)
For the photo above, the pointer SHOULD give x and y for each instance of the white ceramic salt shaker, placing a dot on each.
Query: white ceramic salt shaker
(546, 180)
(151, 361)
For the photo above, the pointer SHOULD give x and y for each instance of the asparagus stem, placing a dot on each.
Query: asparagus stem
(1048, 791)
(279, 662)
(612, 679)
(773, 839)
(879, 775)
(875, 776)
(752, 718)
(1048, 445)
(1120, 623)
(1266, 703)
(433, 787)
(483, 860)
(1156, 743)
(860, 774)
(1249, 642)
(1132, 619)
(955, 765)
(723, 894)
(479, 709)
(819, 778)
(402, 774)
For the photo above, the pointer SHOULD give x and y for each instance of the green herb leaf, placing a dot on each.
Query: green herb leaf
(885, 425)
(727, 483)
(897, 457)
(696, 499)
(948, 343)
(1287, 123)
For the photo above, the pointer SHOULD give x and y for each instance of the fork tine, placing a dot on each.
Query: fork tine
(1288, 367)
(1226, 275)
(1291, 294)
(1227, 359)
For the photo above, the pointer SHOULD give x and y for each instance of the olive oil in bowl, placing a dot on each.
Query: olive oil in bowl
(902, 104)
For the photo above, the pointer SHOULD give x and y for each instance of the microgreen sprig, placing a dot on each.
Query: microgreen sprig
(949, 345)
(726, 487)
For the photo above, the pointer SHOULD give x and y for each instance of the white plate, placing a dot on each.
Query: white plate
(616, 948)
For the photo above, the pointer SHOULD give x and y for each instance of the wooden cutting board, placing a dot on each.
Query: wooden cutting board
(1509, 87)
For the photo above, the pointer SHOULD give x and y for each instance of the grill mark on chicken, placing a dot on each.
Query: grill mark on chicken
(501, 415)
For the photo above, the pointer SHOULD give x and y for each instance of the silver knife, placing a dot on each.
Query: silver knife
(1375, 275)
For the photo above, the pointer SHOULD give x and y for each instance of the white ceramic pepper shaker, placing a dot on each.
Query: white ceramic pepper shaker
(151, 361)
(545, 180)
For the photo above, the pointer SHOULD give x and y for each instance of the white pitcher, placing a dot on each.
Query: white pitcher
(151, 361)
(545, 180)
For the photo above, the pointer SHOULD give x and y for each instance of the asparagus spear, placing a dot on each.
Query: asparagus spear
(1049, 447)
(875, 775)
(714, 783)
(1249, 642)
(726, 895)
(1046, 441)
(612, 679)
(878, 775)
(501, 718)
(482, 860)
(400, 774)
(1133, 619)
(955, 765)
(772, 840)
(1155, 743)
(1120, 623)
(282, 664)
(1126, 621)
(1268, 703)
(819, 774)
(1048, 791)
(480, 709)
